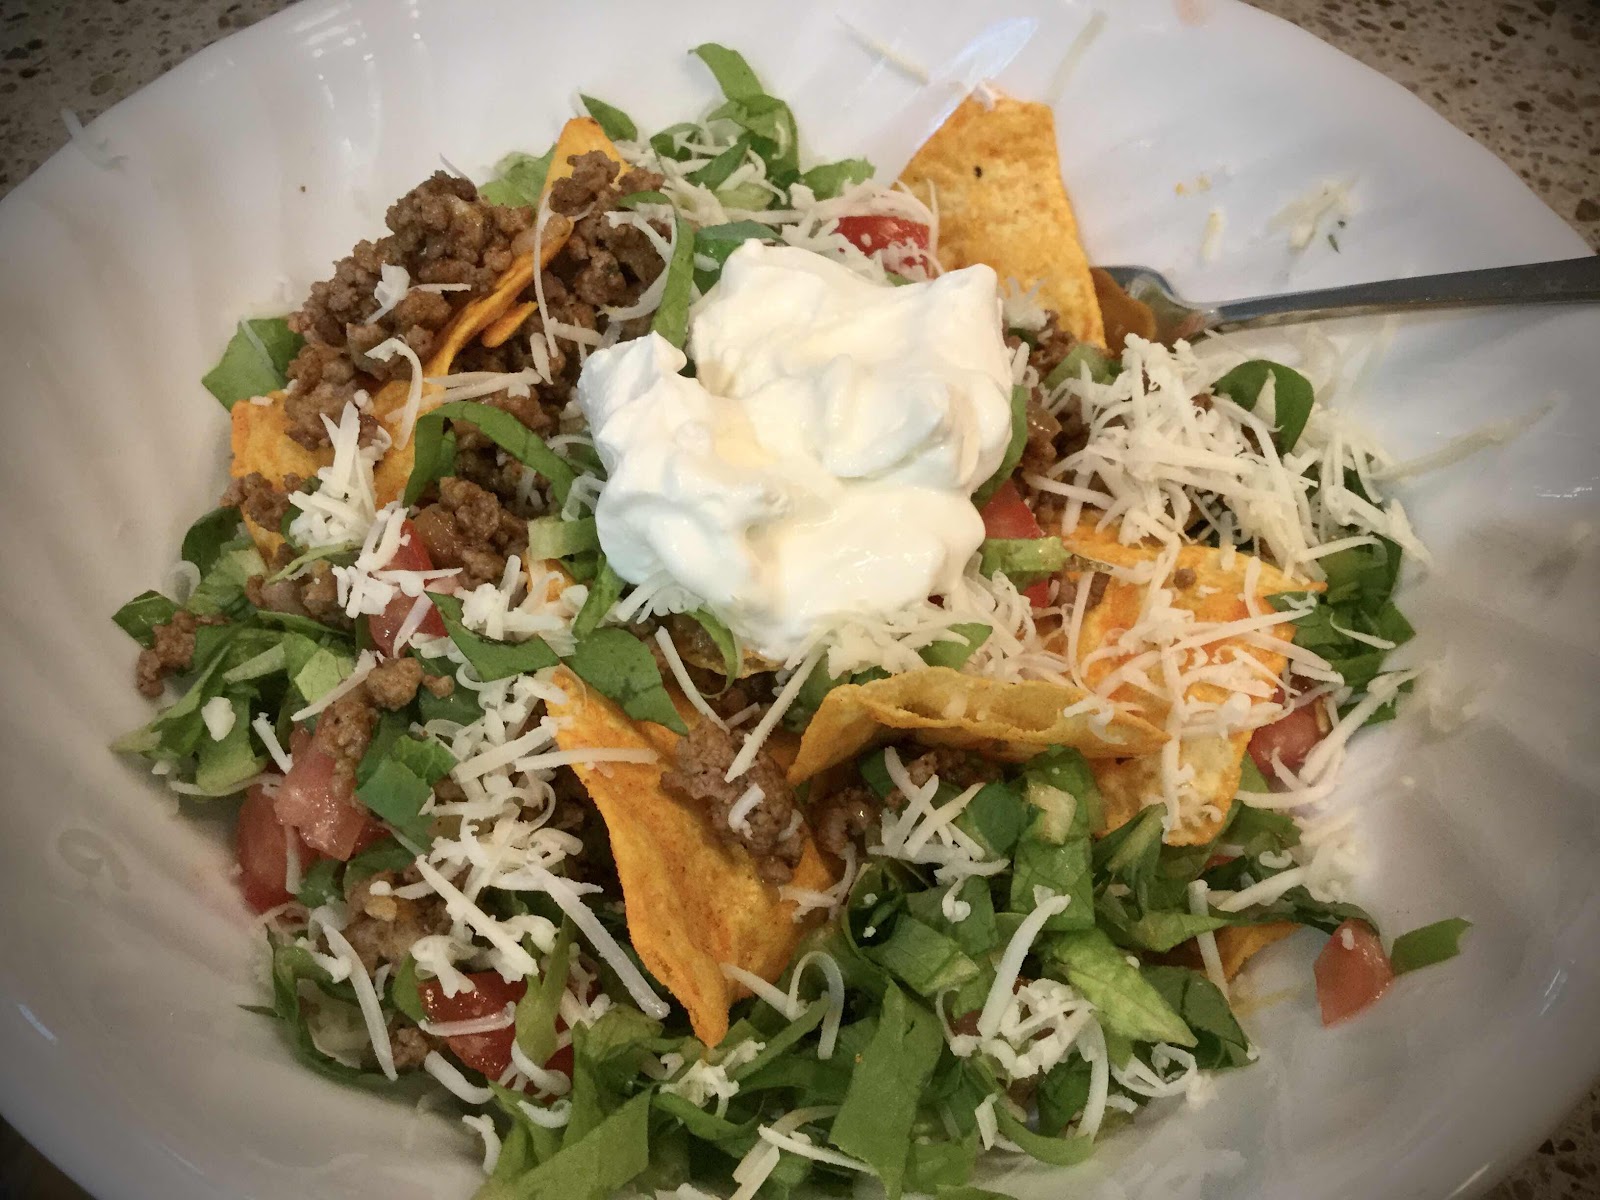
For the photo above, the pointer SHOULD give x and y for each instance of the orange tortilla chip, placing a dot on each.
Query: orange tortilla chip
(261, 444)
(993, 173)
(693, 902)
(579, 136)
(1010, 722)
(1236, 945)
(1215, 595)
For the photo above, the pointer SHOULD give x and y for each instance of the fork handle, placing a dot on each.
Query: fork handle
(1566, 281)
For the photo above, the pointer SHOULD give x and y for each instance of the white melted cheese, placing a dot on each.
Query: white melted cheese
(820, 466)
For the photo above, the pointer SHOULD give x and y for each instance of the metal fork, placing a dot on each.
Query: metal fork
(1567, 281)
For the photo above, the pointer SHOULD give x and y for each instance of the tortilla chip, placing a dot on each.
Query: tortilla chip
(1010, 722)
(693, 902)
(994, 175)
(579, 136)
(1236, 945)
(498, 315)
(1215, 595)
(261, 444)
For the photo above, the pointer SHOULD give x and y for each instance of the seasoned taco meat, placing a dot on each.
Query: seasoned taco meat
(770, 829)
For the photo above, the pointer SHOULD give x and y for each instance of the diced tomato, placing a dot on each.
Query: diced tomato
(487, 1053)
(411, 556)
(1291, 738)
(262, 844)
(1007, 515)
(316, 800)
(873, 232)
(1351, 977)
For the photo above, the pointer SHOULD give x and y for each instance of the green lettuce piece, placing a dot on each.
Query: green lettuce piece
(829, 179)
(1127, 1003)
(1292, 396)
(604, 593)
(139, 616)
(1062, 1094)
(995, 818)
(536, 1011)
(732, 73)
(518, 179)
(606, 1060)
(614, 123)
(1430, 944)
(501, 428)
(1101, 368)
(209, 536)
(874, 1123)
(385, 855)
(319, 884)
(925, 959)
(460, 706)
(775, 137)
(672, 317)
(323, 671)
(553, 537)
(1057, 1151)
(1061, 867)
(396, 775)
(723, 638)
(605, 1159)
(1219, 1042)
(490, 659)
(975, 935)
(255, 362)
(955, 652)
(1066, 770)
(291, 964)
(620, 666)
(1023, 560)
(221, 590)
(942, 1167)
(224, 767)
(406, 993)
(1014, 448)
(715, 173)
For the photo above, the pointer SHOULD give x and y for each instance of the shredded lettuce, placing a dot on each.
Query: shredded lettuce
(518, 179)
(435, 447)
(1430, 944)
(620, 666)
(489, 658)
(255, 362)
(614, 123)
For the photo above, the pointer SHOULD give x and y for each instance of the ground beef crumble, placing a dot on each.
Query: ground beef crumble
(1051, 436)
(258, 498)
(312, 593)
(384, 927)
(468, 527)
(769, 831)
(393, 683)
(171, 651)
(441, 232)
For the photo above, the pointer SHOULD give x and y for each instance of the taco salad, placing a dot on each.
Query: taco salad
(745, 676)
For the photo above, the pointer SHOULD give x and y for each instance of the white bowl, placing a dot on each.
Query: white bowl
(246, 171)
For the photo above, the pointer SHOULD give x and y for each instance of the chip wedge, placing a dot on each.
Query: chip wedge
(992, 173)
(1008, 721)
(693, 902)
(1214, 595)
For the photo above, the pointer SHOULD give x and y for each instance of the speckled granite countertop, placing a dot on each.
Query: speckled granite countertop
(1521, 76)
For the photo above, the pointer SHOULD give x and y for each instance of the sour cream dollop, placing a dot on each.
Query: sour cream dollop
(821, 463)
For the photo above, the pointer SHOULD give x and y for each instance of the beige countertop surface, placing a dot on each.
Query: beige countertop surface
(1520, 76)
